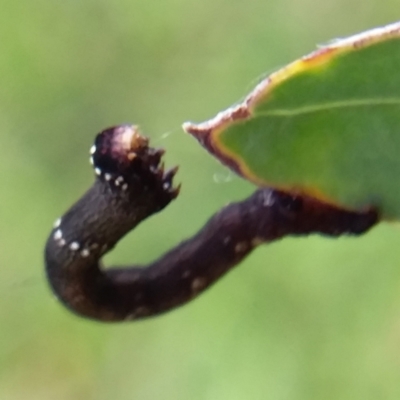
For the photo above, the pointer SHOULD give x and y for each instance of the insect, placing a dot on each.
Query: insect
(131, 185)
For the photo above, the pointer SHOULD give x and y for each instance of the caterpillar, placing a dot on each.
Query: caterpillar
(131, 185)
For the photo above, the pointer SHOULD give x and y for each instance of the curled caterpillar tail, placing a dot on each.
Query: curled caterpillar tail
(131, 185)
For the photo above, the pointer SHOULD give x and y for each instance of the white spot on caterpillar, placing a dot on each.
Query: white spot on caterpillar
(91, 161)
(241, 247)
(257, 241)
(93, 149)
(198, 284)
(119, 180)
(62, 242)
(124, 186)
(186, 274)
(85, 253)
(74, 246)
(97, 171)
(107, 177)
(268, 199)
(57, 234)
(166, 186)
(57, 223)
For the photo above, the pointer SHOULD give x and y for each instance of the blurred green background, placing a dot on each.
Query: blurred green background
(300, 319)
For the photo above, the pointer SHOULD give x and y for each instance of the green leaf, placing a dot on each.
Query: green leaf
(326, 125)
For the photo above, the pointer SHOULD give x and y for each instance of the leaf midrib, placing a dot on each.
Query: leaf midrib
(309, 109)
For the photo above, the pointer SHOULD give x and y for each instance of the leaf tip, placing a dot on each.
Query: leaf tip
(218, 123)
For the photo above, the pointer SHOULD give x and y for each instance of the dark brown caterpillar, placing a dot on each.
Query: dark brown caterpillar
(130, 186)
